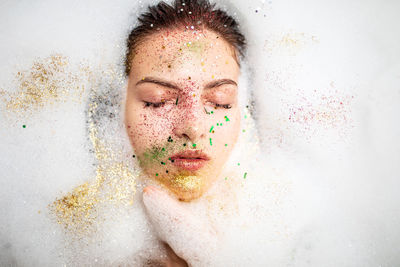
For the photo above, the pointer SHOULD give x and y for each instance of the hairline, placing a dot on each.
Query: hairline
(235, 53)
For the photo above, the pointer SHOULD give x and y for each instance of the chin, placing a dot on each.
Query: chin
(187, 187)
(188, 196)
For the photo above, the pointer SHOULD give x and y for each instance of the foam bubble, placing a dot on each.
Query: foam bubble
(311, 182)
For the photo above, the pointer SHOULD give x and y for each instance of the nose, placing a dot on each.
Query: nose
(191, 123)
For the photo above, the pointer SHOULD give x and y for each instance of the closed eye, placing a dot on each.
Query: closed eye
(154, 105)
(226, 106)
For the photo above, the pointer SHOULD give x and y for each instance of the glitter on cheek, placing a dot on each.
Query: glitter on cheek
(155, 154)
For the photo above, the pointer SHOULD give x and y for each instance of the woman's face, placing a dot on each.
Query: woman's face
(182, 114)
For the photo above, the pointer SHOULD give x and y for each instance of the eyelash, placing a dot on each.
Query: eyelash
(154, 105)
(160, 104)
(226, 106)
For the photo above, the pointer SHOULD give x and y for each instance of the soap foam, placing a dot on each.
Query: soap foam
(316, 184)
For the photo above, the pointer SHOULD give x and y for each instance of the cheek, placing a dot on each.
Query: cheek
(224, 132)
(148, 128)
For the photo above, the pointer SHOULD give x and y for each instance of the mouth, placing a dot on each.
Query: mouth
(190, 160)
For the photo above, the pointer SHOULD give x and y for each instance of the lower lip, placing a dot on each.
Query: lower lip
(189, 164)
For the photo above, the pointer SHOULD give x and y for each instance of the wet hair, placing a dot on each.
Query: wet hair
(182, 13)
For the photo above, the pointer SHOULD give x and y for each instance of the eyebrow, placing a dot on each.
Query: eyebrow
(220, 82)
(172, 85)
(159, 82)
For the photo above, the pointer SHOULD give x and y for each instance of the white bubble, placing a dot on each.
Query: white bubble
(317, 189)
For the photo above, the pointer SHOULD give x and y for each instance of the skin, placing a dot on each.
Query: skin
(182, 84)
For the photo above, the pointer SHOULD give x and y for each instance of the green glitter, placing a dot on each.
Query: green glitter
(245, 174)
(24, 126)
(163, 163)
(245, 116)
(226, 118)
(217, 124)
(210, 142)
(238, 164)
(196, 47)
(194, 145)
(220, 124)
(155, 154)
(156, 174)
(212, 112)
(212, 127)
(226, 178)
(226, 144)
(243, 130)
(152, 154)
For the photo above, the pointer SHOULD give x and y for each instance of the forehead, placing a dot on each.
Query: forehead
(185, 50)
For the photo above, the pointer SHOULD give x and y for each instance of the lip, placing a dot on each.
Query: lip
(190, 160)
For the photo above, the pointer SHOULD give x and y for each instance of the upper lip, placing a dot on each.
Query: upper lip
(191, 154)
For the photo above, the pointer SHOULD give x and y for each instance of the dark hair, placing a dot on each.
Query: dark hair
(183, 13)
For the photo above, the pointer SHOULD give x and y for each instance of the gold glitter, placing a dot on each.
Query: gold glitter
(53, 80)
(188, 183)
(75, 211)
(78, 211)
(48, 81)
(289, 42)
